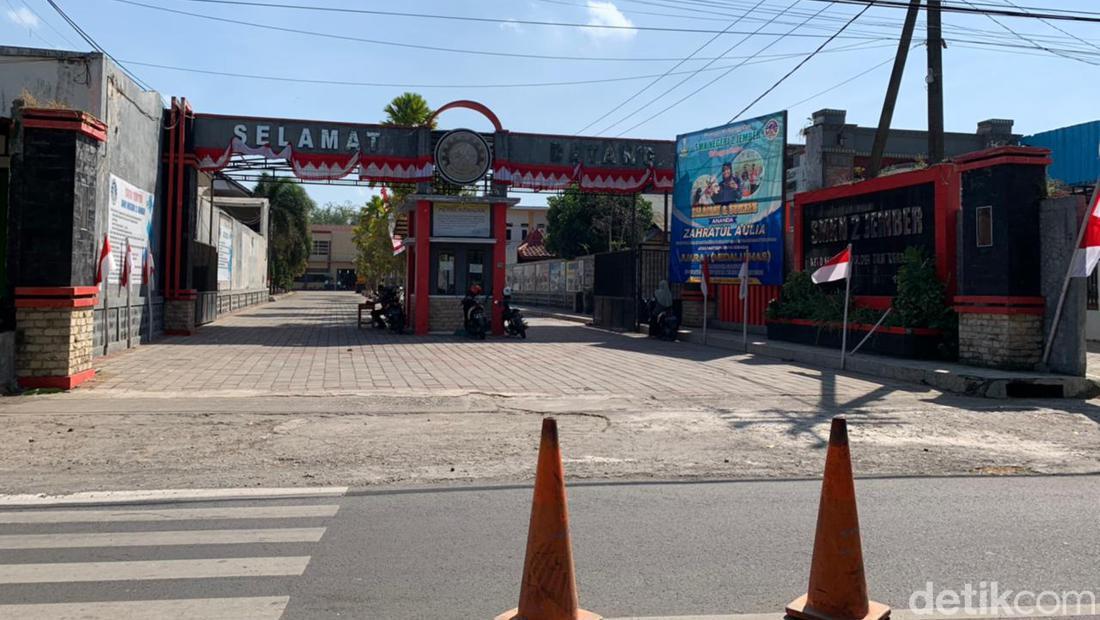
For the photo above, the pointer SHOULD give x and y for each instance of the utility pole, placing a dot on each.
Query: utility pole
(935, 84)
(887, 115)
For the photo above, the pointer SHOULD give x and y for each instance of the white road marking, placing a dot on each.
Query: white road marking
(168, 514)
(253, 608)
(69, 572)
(112, 497)
(156, 539)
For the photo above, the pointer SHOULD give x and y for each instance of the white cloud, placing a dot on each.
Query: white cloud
(605, 13)
(511, 26)
(23, 17)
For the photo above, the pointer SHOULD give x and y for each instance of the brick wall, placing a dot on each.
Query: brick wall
(179, 315)
(693, 312)
(1010, 341)
(445, 313)
(53, 342)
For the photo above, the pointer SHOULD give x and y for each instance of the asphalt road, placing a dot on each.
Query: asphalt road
(641, 550)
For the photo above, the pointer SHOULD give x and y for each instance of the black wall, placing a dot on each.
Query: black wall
(52, 211)
(1011, 265)
(879, 226)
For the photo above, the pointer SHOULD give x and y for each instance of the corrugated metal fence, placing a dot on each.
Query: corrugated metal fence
(729, 305)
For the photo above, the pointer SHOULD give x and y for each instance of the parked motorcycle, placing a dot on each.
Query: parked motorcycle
(476, 320)
(388, 311)
(514, 325)
(663, 322)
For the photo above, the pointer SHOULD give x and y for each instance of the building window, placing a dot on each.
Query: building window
(984, 222)
(523, 232)
(321, 247)
(445, 280)
(475, 268)
(508, 232)
(541, 227)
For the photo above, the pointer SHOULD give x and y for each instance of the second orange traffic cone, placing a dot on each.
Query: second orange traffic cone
(549, 589)
(838, 586)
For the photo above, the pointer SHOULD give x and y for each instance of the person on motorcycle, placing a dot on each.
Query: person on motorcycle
(662, 298)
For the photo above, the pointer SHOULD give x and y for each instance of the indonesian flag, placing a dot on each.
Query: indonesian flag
(396, 240)
(127, 265)
(1087, 253)
(743, 275)
(836, 269)
(704, 278)
(147, 268)
(106, 262)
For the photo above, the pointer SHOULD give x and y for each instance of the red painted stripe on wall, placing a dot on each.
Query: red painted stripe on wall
(729, 305)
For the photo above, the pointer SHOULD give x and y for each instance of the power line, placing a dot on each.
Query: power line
(96, 46)
(283, 78)
(1059, 29)
(839, 84)
(800, 64)
(666, 73)
(48, 24)
(719, 77)
(1033, 43)
(681, 82)
(1088, 16)
(466, 18)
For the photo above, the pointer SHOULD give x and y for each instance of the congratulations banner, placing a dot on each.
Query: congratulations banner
(728, 201)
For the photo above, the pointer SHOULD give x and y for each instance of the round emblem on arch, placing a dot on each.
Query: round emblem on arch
(462, 156)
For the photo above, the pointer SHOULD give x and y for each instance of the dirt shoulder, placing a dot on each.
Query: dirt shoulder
(69, 442)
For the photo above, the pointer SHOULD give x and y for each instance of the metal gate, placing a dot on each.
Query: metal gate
(621, 280)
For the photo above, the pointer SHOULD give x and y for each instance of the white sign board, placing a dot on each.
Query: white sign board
(460, 220)
(225, 250)
(129, 216)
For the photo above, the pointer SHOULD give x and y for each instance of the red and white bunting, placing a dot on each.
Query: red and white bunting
(314, 166)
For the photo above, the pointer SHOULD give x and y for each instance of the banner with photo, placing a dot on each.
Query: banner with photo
(728, 201)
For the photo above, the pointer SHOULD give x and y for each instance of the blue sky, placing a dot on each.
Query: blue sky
(1016, 78)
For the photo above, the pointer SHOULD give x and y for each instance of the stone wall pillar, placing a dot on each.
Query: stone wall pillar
(692, 308)
(179, 314)
(1059, 219)
(1001, 340)
(53, 348)
(56, 159)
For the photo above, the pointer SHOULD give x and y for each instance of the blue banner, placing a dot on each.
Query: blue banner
(728, 200)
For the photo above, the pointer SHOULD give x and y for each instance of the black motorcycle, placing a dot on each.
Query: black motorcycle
(663, 322)
(514, 325)
(388, 311)
(476, 319)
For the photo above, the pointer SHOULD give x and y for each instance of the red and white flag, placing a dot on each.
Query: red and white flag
(106, 262)
(704, 277)
(743, 276)
(837, 268)
(1087, 253)
(127, 265)
(147, 268)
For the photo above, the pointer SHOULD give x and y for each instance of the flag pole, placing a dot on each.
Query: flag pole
(705, 304)
(1065, 281)
(745, 307)
(106, 309)
(847, 296)
(129, 318)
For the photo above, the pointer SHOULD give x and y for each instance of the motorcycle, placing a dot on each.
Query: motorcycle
(388, 311)
(663, 322)
(514, 325)
(476, 320)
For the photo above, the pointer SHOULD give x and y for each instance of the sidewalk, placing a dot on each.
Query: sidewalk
(945, 376)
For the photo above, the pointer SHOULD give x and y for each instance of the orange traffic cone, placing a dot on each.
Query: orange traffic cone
(549, 589)
(838, 587)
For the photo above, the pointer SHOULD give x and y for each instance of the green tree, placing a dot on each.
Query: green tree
(375, 262)
(335, 214)
(408, 110)
(288, 227)
(579, 223)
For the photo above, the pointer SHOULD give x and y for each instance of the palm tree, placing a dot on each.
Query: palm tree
(288, 227)
(408, 110)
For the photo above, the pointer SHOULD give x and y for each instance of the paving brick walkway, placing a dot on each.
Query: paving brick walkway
(308, 343)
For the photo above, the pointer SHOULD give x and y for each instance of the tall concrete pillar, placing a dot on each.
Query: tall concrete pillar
(500, 259)
(1059, 219)
(52, 247)
(423, 266)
